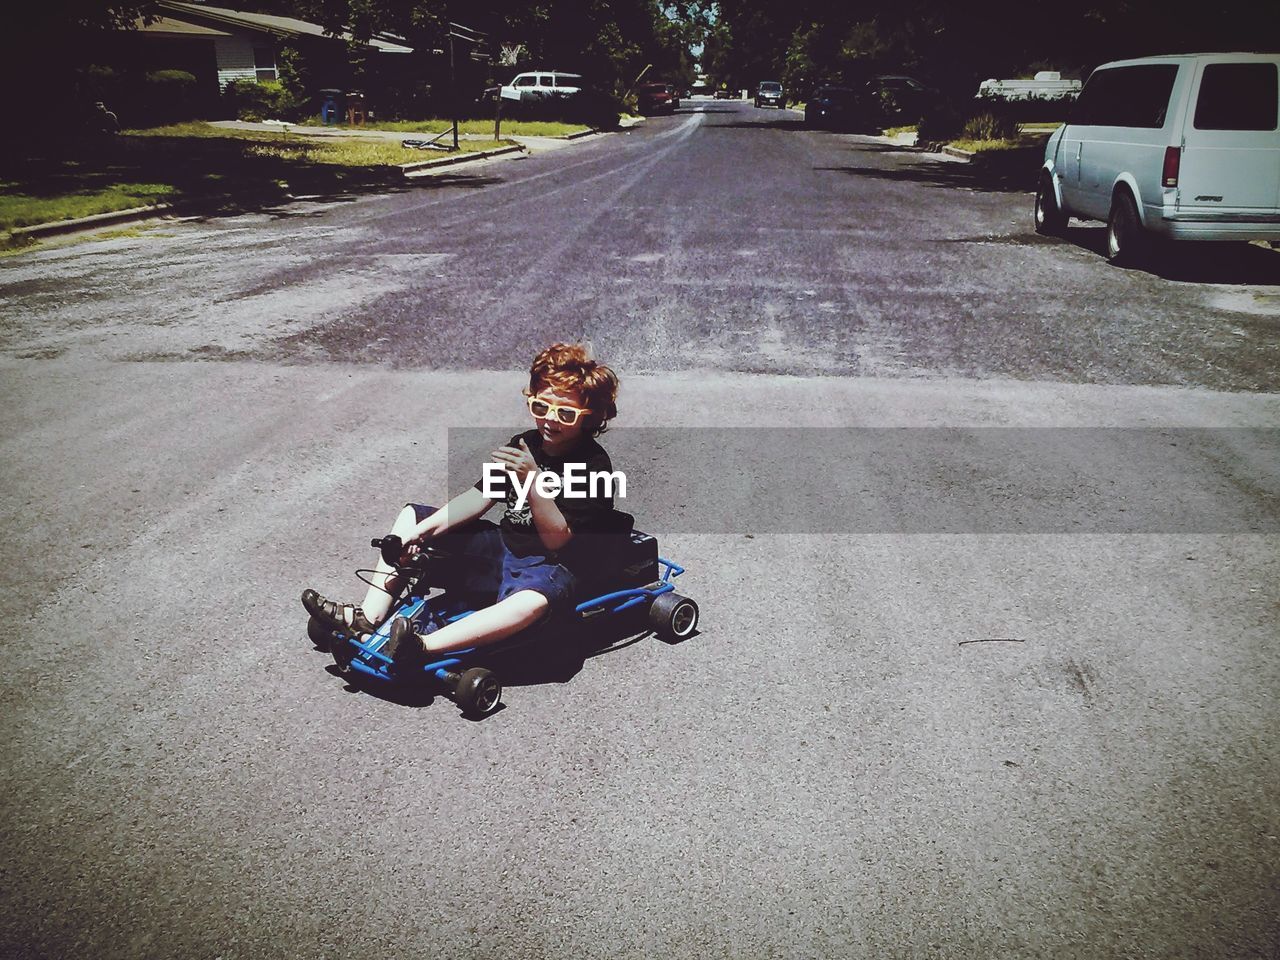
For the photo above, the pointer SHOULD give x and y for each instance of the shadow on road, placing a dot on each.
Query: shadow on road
(1241, 264)
(288, 206)
(780, 123)
(993, 177)
(552, 660)
(1227, 264)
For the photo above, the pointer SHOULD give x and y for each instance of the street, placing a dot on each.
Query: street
(909, 726)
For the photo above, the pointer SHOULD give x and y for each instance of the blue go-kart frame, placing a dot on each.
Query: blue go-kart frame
(477, 689)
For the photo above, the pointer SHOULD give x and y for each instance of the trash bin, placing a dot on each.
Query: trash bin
(331, 107)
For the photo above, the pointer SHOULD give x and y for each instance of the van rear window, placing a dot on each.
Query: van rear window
(1238, 96)
(1126, 96)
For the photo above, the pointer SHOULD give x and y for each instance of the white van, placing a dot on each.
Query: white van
(1185, 147)
(542, 85)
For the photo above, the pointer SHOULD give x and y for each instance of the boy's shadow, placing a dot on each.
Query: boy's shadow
(550, 656)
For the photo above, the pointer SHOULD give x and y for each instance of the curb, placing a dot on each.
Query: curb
(97, 220)
(951, 151)
(408, 168)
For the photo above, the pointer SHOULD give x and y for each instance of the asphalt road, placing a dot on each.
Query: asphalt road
(204, 418)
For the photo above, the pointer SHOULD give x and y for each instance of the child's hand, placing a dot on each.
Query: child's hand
(421, 534)
(516, 460)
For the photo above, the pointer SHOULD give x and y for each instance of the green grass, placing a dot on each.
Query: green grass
(982, 146)
(514, 128)
(1024, 141)
(362, 153)
(49, 182)
(19, 209)
(333, 151)
(894, 131)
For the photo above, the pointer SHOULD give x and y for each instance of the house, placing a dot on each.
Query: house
(220, 45)
(240, 45)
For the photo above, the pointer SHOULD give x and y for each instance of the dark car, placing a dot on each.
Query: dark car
(835, 108)
(898, 98)
(657, 98)
(770, 94)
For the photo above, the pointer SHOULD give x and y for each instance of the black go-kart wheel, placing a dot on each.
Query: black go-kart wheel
(319, 633)
(478, 692)
(673, 617)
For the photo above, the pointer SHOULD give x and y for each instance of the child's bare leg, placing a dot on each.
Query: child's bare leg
(489, 625)
(383, 586)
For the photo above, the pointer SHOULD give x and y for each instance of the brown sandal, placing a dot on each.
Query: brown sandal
(404, 647)
(338, 616)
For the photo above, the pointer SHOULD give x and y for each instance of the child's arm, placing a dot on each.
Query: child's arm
(469, 505)
(553, 529)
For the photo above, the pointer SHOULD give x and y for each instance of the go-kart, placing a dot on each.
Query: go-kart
(629, 578)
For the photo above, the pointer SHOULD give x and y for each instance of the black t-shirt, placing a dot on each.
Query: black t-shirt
(583, 514)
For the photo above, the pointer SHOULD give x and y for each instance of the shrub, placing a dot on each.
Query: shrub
(172, 79)
(592, 107)
(595, 108)
(940, 121)
(167, 96)
(96, 82)
(265, 100)
(990, 125)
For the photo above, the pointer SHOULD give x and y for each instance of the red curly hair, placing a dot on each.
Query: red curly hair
(568, 366)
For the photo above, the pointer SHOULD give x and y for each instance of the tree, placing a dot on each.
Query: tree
(74, 30)
(956, 43)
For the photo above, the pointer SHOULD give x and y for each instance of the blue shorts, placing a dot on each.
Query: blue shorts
(481, 564)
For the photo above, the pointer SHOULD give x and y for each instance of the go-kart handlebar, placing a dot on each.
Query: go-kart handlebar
(392, 549)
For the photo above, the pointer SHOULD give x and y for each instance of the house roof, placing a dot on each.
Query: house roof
(289, 27)
(165, 27)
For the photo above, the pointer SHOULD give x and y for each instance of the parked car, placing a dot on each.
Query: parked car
(834, 108)
(770, 94)
(893, 97)
(1185, 147)
(542, 85)
(657, 98)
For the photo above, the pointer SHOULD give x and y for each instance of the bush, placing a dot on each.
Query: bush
(96, 82)
(990, 125)
(267, 100)
(167, 96)
(594, 108)
(940, 121)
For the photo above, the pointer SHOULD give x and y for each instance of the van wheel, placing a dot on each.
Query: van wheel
(1049, 218)
(1127, 244)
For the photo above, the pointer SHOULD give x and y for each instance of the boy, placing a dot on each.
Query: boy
(528, 560)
